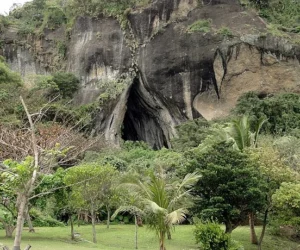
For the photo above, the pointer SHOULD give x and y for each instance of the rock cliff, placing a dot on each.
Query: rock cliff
(169, 73)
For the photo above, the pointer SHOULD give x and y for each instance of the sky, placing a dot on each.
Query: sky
(6, 4)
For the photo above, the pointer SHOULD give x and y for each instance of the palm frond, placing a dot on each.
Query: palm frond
(176, 216)
(189, 180)
(258, 127)
(154, 208)
(130, 209)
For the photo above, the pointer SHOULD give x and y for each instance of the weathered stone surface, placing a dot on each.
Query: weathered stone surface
(97, 51)
(173, 75)
(248, 68)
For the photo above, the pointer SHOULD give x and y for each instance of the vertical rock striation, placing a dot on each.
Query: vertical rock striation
(172, 75)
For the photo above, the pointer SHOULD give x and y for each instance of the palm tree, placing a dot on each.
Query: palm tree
(136, 212)
(164, 204)
(240, 134)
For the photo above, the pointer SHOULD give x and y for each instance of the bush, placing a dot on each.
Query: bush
(67, 83)
(40, 220)
(211, 237)
(281, 110)
(54, 17)
(199, 26)
(284, 13)
(225, 32)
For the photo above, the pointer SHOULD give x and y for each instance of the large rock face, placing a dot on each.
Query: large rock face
(171, 75)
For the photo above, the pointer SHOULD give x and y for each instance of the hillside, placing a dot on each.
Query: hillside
(146, 67)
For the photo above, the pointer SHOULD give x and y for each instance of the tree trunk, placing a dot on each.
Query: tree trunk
(228, 227)
(28, 247)
(253, 236)
(9, 229)
(169, 234)
(94, 225)
(72, 228)
(139, 221)
(23, 196)
(162, 241)
(30, 226)
(108, 217)
(263, 229)
(86, 217)
(20, 221)
(136, 231)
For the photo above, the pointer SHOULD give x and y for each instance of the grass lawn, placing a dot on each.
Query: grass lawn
(122, 237)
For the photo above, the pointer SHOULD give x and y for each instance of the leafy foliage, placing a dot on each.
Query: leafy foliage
(67, 83)
(284, 13)
(42, 220)
(190, 134)
(282, 111)
(230, 186)
(10, 83)
(211, 237)
(164, 202)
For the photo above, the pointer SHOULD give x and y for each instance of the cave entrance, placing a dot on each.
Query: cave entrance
(142, 118)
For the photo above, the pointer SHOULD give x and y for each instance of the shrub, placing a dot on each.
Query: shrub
(284, 13)
(225, 32)
(54, 17)
(199, 26)
(281, 110)
(67, 83)
(40, 220)
(211, 237)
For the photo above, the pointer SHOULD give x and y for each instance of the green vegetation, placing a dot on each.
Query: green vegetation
(199, 26)
(285, 13)
(67, 84)
(10, 87)
(230, 187)
(113, 88)
(210, 236)
(282, 111)
(183, 238)
(225, 32)
(36, 16)
(52, 175)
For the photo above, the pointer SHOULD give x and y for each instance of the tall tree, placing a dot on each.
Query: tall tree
(230, 186)
(240, 133)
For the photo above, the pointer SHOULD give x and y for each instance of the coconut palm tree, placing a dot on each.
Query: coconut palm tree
(136, 212)
(240, 134)
(164, 204)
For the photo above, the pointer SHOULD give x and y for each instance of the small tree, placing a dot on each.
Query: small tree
(164, 204)
(67, 83)
(136, 212)
(25, 172)
(93, 184)
(273, 172)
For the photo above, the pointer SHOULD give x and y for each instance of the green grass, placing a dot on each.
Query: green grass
(202, 25)
(122, 237)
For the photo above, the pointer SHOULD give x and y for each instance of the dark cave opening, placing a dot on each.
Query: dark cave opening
(142, 119)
